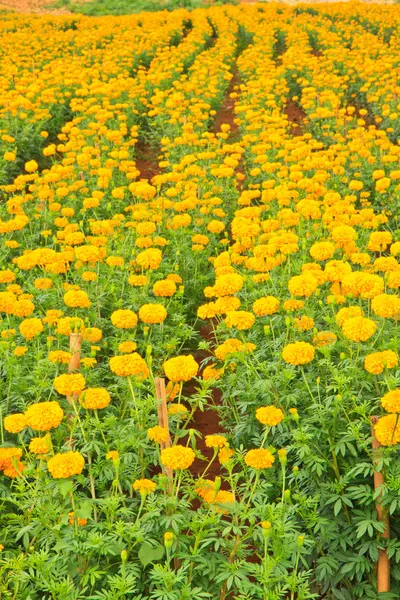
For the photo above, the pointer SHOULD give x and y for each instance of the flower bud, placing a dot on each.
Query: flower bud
(295, 470)
(124, 556)
(282, 453)
(267, 330)
(300, 541)
(168, 539)
(287, 496)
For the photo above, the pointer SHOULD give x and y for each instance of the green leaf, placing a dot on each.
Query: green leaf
(65, 487)
(84, 511)
(149, 553)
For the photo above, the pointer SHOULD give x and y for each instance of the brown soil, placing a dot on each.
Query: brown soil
(146, 160)
(296, 116)
(226, 114)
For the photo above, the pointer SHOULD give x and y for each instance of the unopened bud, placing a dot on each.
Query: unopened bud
(168, 539)
(124, 556)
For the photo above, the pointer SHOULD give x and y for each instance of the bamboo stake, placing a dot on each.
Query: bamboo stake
(163, 421)
(383, 565)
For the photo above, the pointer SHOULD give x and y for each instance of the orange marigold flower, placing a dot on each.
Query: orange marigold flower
(15, 423)
(302, 285)
(43, 416)
(322, 250)
(259, 459)
(391, 401)
(348, 313)
(77, 299)
(152, 313)
(303, 323)
(293, 305)
(224, 455)
(40, 445)
(59, 356)
(92, 334)
(20, 350)
(298, 353)
(127, 347)
(387, 430)
(95, 398)
(359, 329)
(269, 415)
(128, 365)
(177, 457)
(181, 368)
(227, 285)
(69, 384)
(324, 338)
(376, 362)
(138, 280)
(164, 288)
(240, 319)
(124, 319)
(386, 306)
(66, 464)
(149, 259)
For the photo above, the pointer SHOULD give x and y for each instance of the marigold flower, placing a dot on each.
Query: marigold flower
(152, 313)
(59, 356)
(40, 445)
(227, 285)
(30, 328)
(348, 313)
(144, 486)
(124, 319)
(177, 457)
(303, 323)
(77, 299)
(210, 372)
(376, 362)
(240, 319)
(69, 384)
(181, 368)
(112, 455)
(158, 434)
(138, 280)
(324, 338)
(269, 415)
(127, 347)
(15, 423)
(386, 306)
(95, 398)
(298, 353)
(164, 288)
(302, 285)
(322, 250)
(224, 455)
(359, 329)
(20, 350)
(391, 401)
(66, 464)
(92, 334)
(216, 441)
(293, 305)
(128, 365)
(268, 305)
(259, 459)
(177, 409)
(43, 416)
(80, 522)
(387, 430)
(149, 259)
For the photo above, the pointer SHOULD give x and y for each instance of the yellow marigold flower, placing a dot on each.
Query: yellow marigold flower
(269, 415)
(177, 457)
(322, 250)
(52, 316)
(324, 338)
(164, 288)
(158, 434)
(127, 347)
(149, 259)
(216, 441)
(343, 234)
(268, 305)
(391, 401)
(302, 285)
(376, 362)
(89, 254)
(240, 319)
(181, 368)
(15, 423)
(95, 398)
(69, 384)
(124, 319)
(20, 350)
(348, 313)
(43, 283)
(138, 280)
(379, 241)
(144, 486)
(43, 416)
(77, 299)
(227, 285)
(387, 430)
(31, 166)
(66, 464)
(177, 409)
(40, 445)
(30, 328)
(128, 365)
(259, 459)
(68, 325)
(298, 353)
(59, 356)
(210, 372)
(303, 323)
(152, 313)
(112, 455)
(7, 276)
(224, 455)
(386, 306)
(92, 334)
(293, 305)
(359, 329)
(225, 304)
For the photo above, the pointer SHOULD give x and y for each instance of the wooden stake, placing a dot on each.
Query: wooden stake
(383, 565)
(163, 419)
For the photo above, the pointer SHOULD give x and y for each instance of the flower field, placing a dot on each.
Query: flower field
(200, 380)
